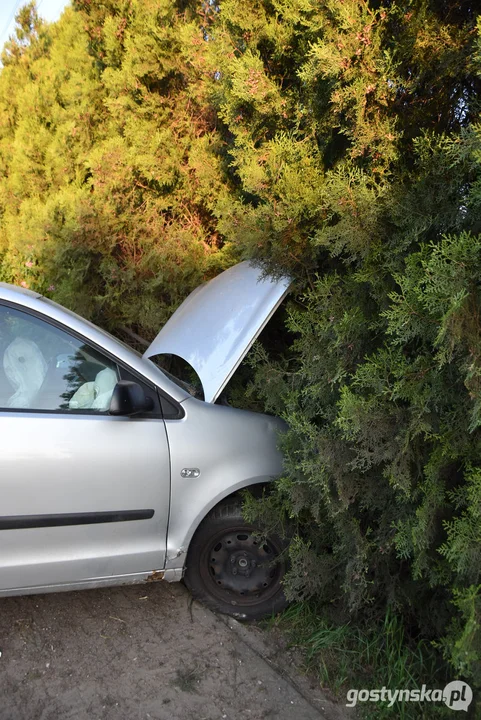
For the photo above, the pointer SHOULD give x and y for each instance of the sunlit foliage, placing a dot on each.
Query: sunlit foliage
(147, 144)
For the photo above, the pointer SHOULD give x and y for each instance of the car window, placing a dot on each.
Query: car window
(45, 368)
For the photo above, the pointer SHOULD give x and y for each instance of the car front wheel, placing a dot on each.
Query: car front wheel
(233, 568)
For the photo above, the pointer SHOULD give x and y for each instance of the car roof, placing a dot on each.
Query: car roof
(7, 290)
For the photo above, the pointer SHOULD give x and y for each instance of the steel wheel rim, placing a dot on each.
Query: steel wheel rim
(241, 568)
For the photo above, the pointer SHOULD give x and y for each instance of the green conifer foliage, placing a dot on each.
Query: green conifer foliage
(350, 129)
(110, 162)
(147, 144)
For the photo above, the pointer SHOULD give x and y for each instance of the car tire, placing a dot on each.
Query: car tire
(233, 568)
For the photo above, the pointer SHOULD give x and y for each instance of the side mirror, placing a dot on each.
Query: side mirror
(128, 398)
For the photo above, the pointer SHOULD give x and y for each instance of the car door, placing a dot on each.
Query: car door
(84, 496)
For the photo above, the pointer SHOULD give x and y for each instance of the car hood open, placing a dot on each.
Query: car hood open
(216, 325)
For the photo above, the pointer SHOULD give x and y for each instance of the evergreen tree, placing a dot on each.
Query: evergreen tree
(147, 144)
(105, 189)
(351, 130)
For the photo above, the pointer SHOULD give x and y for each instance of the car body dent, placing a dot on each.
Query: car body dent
(217, 323)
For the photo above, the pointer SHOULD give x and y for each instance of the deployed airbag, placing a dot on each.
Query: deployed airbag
(95, 395)
(25, 368)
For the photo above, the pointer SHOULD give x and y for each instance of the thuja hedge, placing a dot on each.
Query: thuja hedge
(147, 144)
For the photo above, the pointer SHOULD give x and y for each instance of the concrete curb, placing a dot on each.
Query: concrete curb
(257, 641)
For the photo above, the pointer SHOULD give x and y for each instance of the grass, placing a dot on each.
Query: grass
(187, 679)
(348, 656)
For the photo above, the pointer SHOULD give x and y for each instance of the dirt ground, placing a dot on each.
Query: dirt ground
(142, 652)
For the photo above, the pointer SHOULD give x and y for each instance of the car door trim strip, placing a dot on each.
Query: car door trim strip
(24, 522)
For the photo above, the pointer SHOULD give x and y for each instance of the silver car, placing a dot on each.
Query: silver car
(112, 472)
